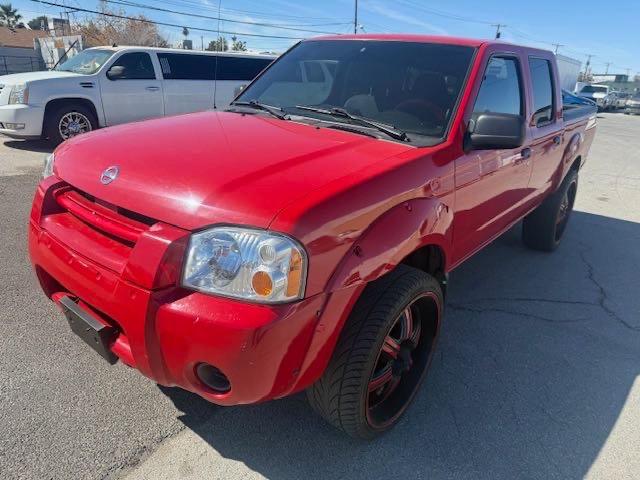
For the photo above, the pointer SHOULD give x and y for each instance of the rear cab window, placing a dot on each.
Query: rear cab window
(542, 91)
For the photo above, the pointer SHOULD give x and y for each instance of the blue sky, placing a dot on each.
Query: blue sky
(609, 31)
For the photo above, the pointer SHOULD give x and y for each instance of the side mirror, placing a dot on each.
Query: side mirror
(495, 131)
(238, 90)
(116, 72)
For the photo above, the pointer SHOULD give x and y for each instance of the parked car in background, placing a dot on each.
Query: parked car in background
(601, 94)
(633, 104)
(106, 86)
(302, 239)
(621, 99)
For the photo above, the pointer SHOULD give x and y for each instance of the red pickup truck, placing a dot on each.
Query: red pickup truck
(302, 239)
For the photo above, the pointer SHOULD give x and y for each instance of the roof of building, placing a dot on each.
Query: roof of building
(19, 37)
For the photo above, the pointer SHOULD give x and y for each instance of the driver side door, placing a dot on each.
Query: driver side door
(131, 89)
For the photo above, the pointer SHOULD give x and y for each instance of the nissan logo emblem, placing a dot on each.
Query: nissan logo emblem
(109, 175)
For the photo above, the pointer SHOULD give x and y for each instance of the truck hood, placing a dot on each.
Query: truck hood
(199, 169)
(20, 78)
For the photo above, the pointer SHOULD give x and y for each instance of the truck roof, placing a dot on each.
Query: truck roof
(405, 37)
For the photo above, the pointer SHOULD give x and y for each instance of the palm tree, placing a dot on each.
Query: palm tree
(9, 16)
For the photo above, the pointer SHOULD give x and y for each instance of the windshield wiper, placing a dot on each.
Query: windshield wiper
(342, 113)
(277, 112)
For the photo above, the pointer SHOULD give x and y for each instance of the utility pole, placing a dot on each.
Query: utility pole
(498, 26)
(628, 73)
(606, 70)
(557, 45)
(587, 67)
(355, 19)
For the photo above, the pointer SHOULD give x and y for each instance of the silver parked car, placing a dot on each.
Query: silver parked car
(621, 99)
(633, 104)
(601, 94)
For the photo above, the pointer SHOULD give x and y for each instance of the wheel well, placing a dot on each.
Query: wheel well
(576, 164)
(429, 259)
(52, 105)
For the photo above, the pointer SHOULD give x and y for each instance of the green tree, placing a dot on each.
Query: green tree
(9, 16)
(219, 45)
(238, 45)
(36, 23)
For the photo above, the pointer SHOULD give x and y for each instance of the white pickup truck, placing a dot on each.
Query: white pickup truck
(106, 86)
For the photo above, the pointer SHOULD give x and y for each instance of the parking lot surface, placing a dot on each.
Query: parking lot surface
(537, 372)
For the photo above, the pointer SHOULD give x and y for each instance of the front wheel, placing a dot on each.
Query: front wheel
(68, 121)
(383, 354)
(543, 228)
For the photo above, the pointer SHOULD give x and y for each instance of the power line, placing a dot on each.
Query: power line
(218, 18)
(452, 16)
(166, 24)
(200, 6)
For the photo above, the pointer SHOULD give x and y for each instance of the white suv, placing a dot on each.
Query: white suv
(106, 86)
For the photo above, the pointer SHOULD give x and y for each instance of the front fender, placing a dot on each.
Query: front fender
(390, 239)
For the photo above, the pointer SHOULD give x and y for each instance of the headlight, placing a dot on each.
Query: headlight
(19, 94)
(243, 263)
(47, 171)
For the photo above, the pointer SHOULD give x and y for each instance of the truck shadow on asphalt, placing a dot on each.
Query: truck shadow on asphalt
(39, 146)
(537, 358)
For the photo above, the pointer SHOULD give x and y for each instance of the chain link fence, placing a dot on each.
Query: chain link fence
(18, 64)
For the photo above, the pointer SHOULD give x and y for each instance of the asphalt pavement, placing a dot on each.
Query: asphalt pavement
(536, 376)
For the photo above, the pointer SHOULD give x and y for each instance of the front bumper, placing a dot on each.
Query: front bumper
(29, 117)
(165, 331)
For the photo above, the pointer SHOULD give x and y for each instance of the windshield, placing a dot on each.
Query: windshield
(86, 62)
(411, 86)
(594, 89)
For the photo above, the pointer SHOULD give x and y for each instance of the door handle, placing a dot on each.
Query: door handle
(525, 154)
(557, 139)
(153, 89)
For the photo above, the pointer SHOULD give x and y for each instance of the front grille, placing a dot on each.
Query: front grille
(112, 221)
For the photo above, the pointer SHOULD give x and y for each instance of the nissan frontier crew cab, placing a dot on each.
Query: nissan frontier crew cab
(302, 239)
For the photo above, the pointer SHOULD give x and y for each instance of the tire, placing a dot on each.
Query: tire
(544, 227)
(382, 355)
(68, 121)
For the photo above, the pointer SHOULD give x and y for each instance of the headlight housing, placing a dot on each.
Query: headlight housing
(248, 264)
(19, 94)
(47, 170)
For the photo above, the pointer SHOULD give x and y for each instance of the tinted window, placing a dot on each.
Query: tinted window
(593, 89)
(411, 85)
(541, 80)
(314, 73)
(137, 66)
(500, 89)
(238, 68)
(179, 66)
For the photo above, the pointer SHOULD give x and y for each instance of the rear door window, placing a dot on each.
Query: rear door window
(181, 66)
(500, 91)
(241, 69)
(542, 83)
